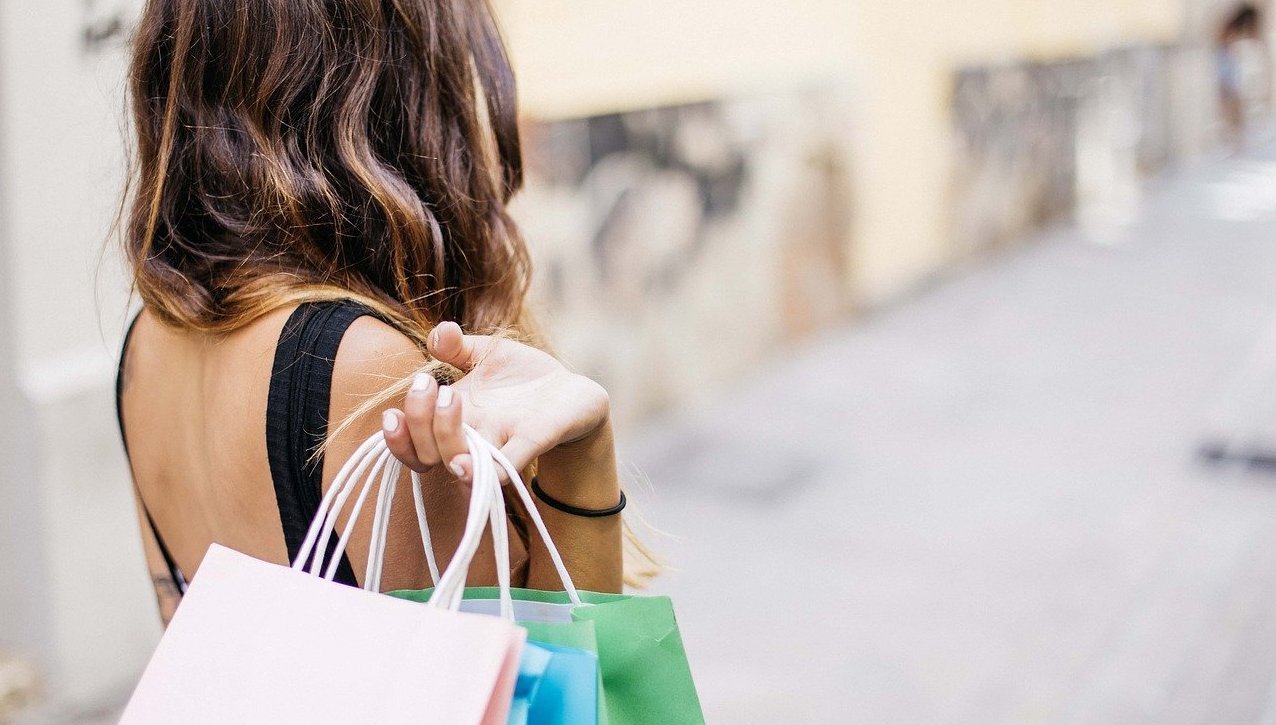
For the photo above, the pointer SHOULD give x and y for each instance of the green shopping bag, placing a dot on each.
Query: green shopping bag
(547, 623)
(642, 663)
(645, 674)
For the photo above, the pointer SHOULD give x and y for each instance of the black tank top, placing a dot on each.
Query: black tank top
(296, 421)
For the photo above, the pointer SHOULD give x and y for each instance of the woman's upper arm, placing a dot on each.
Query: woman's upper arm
(372, 358)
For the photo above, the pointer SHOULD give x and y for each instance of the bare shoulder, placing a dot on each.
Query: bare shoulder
(372, 357)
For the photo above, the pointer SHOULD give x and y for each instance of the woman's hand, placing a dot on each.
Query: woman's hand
(526, 403)
(517, 397)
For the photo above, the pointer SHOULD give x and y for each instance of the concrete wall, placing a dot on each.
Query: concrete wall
(23, 630)
(588, 57)
(678, 248)
(1043, 141)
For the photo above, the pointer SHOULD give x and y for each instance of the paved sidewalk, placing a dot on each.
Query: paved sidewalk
(983, 505)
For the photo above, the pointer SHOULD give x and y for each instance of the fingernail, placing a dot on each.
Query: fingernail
(389, 421)
(445, 396)
(421, 382)
(457, 469)
(433, 342)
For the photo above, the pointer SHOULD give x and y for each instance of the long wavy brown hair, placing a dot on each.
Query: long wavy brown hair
(296, 150)
(301, 149)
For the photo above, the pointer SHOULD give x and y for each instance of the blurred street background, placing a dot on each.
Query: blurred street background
(915, 315)
(983, 505)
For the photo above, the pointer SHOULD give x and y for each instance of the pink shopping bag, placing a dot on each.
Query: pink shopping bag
(254, 642)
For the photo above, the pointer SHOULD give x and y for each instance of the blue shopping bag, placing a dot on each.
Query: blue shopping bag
(532, 667)
(556, 686)
(568, 692)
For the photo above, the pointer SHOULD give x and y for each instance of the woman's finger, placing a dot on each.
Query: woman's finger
(464, 464)
(448, 434)
(395, 429)
(448, 344)
(419, 407)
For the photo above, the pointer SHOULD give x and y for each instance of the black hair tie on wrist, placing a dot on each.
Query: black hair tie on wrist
(575, 510)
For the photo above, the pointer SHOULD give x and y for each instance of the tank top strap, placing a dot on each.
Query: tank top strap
(297, 415)
(174, 573)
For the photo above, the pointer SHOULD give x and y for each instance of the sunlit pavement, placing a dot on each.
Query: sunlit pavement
(984, 505)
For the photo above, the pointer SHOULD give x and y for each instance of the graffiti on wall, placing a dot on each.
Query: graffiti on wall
(1042, 142)
(674, 245)
(106, 23)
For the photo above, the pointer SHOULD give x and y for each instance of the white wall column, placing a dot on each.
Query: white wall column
(24, 631)
(84, 606)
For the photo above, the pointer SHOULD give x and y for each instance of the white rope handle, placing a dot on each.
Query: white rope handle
(500, 543)
(485, 456)
(360, 459)
(424, 525)
(344, 539)
(380, 526)
(448, 593)
(369, 454)
(454, 590)
(516, 481)
(486, 504)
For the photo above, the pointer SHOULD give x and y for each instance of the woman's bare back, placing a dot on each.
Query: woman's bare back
(195, 409)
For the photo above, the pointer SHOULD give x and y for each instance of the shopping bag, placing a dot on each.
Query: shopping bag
(254, 642)
(542, 689)
(643, 666)
(645, 673)
(556, 686)
(532, 667)
(568, 689)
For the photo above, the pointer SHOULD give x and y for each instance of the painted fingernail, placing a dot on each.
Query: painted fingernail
(457, 469)
(433, 342)
(445, 396)
(389, 421)
(421, 382)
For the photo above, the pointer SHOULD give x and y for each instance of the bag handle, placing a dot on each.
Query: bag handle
(380, 524)
(419, 499)
(350, 471)
(491, 454)
(335, 499)
(373, 453)
(485, 468)
(451, 586)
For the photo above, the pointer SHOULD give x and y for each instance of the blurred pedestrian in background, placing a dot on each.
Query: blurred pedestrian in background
(1243, 27)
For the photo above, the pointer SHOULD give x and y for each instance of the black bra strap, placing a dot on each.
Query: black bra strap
(297, 416)
(179, 581)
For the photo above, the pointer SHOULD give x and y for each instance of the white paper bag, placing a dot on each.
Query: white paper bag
(254, 642)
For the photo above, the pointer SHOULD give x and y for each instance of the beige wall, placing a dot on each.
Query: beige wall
(903, 162)
(579, 57)
(582, 57)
